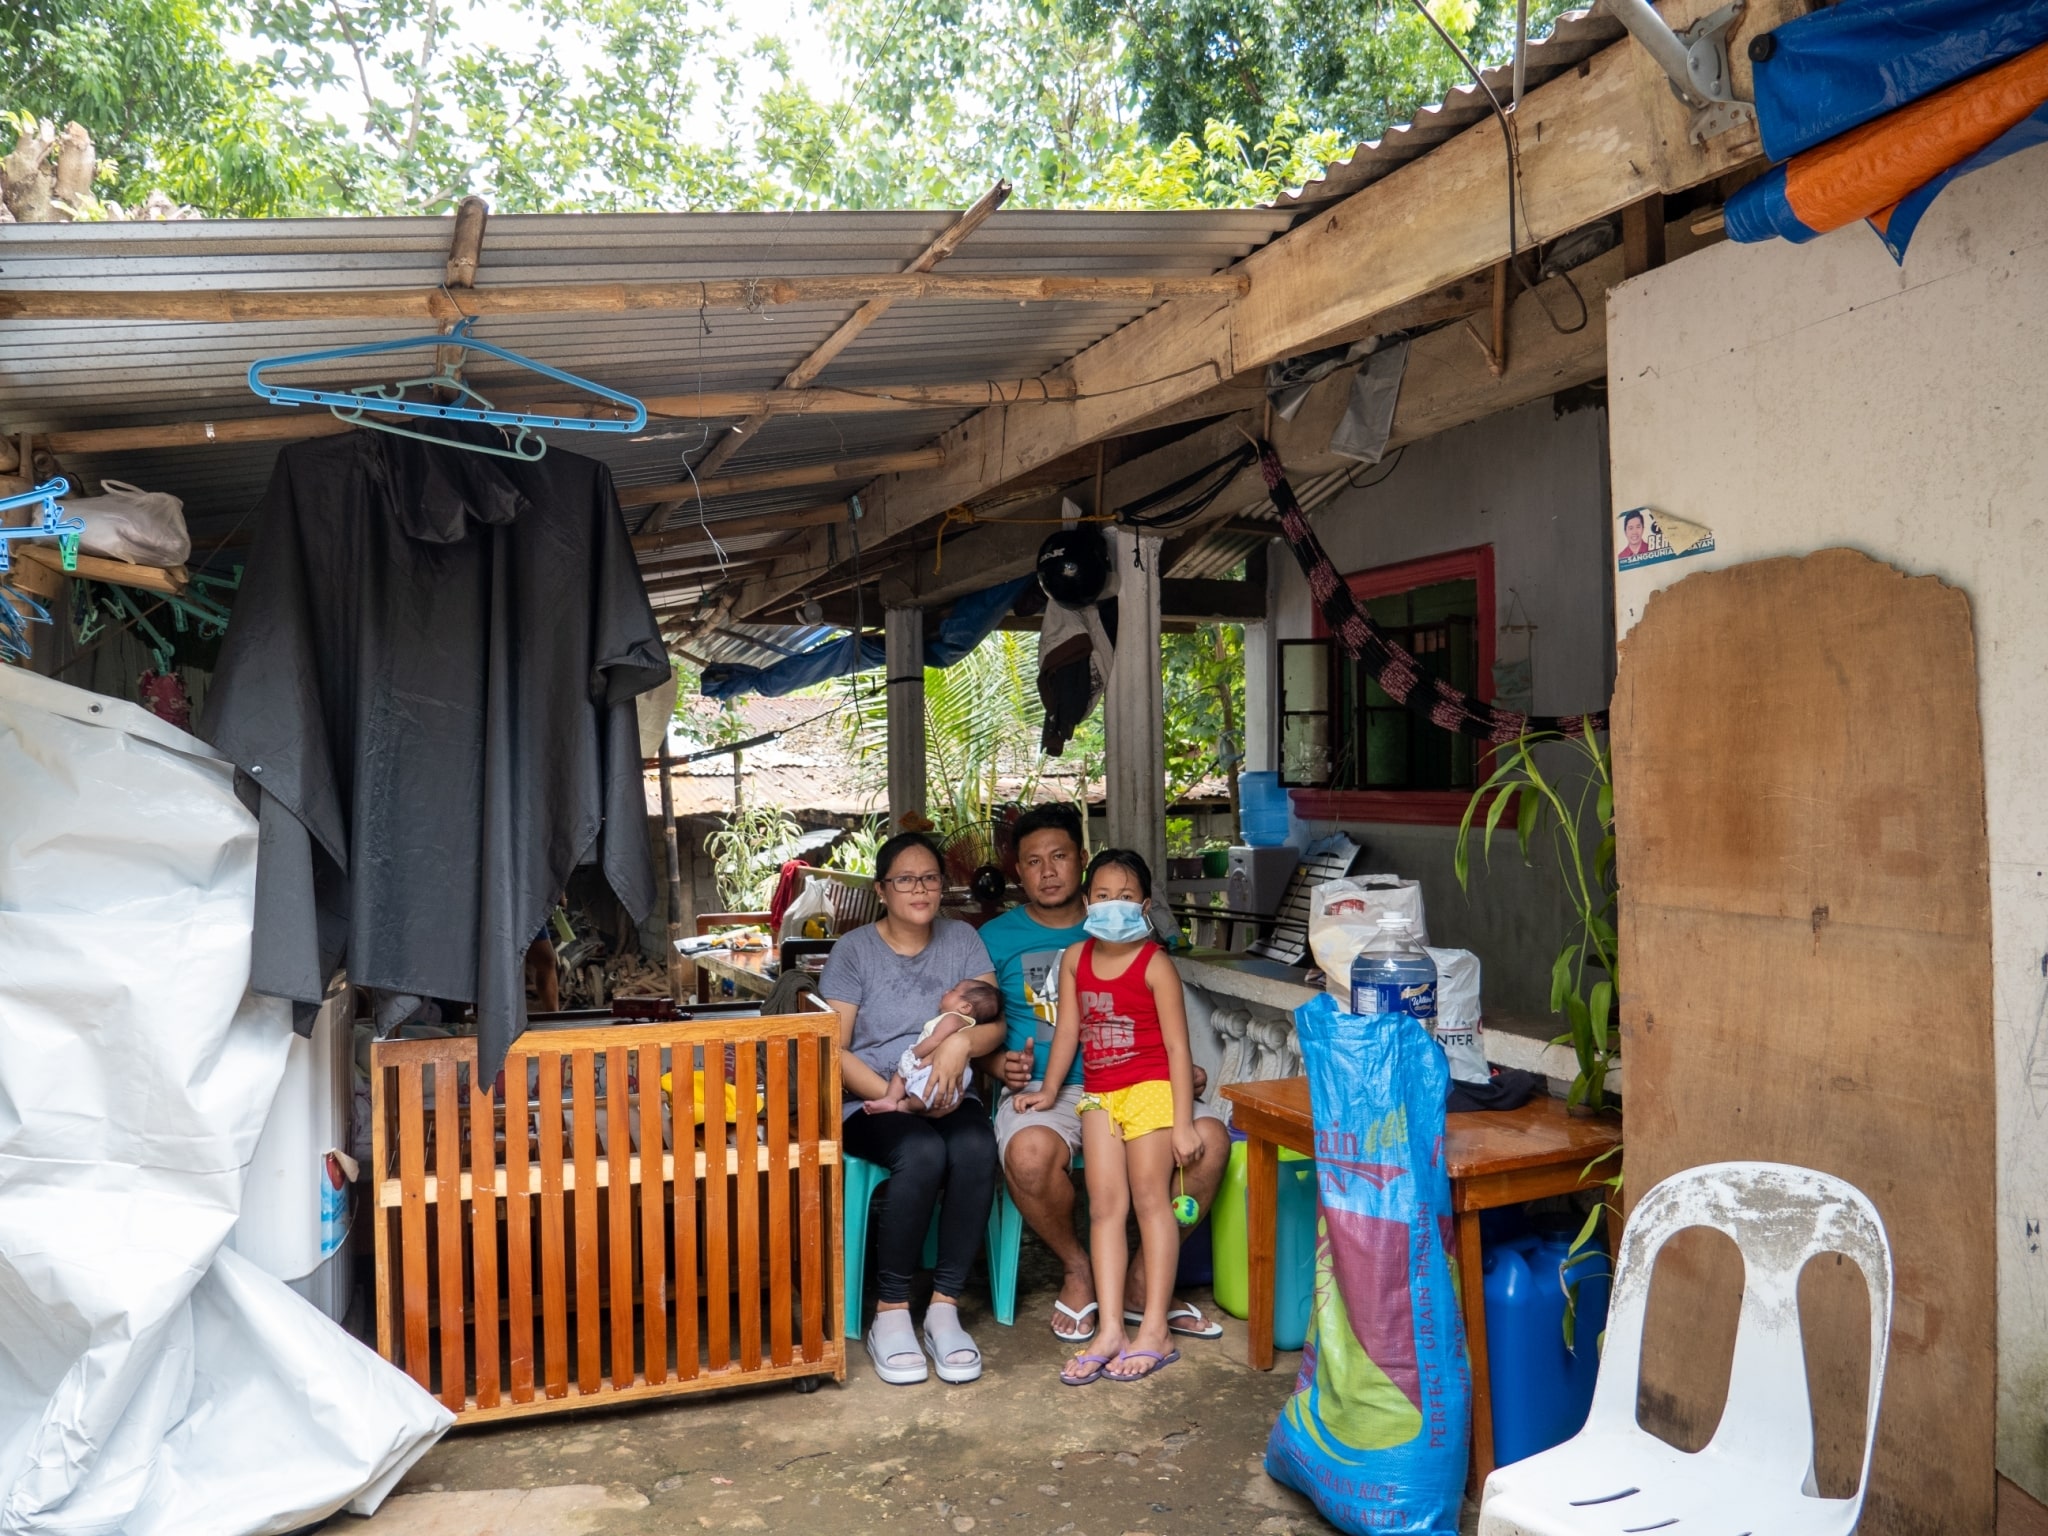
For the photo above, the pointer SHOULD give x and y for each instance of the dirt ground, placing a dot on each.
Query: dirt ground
(1013, 1452)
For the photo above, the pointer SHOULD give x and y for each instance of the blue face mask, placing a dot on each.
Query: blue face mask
(1118, 922)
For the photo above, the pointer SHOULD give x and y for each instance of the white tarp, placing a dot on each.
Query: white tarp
(150, 1382)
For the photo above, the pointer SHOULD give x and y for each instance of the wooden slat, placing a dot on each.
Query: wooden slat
(717, 1217)
(381, 1098)
(235, 306)
(684, 1135)
(389, 1193)
(747, 1216)
(553, 1241)
(448, 1234)
(767, 1375)
(618, 1201)
(779, 1247)
(810, 1207)
(412, 1220)
(483, 1238)
(589, 1305)
(518, 1230)
(653, 1234)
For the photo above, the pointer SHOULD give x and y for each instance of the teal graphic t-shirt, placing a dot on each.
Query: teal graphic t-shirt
(1027, 960)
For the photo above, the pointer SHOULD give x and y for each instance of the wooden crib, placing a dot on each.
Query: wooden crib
(585, 1241)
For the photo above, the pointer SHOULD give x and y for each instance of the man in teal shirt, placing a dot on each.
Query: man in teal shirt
(1038, 1148)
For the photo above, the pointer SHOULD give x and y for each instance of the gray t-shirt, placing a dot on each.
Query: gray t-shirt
(895, 993)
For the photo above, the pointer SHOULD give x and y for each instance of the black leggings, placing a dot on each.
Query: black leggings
(953, 1155)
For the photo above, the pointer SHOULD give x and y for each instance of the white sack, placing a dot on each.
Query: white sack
(125, 522)
(149, 1382)
(1460, 1029)
(1344, 914)
(810, 915)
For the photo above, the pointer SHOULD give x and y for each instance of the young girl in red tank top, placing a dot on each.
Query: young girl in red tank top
(1121, 1006)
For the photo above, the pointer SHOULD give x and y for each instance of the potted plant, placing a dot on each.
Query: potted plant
(1584, 977)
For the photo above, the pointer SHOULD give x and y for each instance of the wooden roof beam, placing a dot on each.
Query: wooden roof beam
(1592, 141)
(433, 305)
(806, 372)
(288, 425)
(783, 479)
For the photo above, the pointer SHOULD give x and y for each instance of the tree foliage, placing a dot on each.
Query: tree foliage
(169, 109)
(268, 107)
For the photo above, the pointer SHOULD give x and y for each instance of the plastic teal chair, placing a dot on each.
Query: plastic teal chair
(1005, 1245)
(862, 1178)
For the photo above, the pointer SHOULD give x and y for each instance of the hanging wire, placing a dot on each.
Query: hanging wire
(1515, 198)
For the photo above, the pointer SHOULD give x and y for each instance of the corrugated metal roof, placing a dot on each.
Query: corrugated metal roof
(76, 374)
(1576, 37)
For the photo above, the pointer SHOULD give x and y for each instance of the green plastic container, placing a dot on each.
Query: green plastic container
(1294, 1269)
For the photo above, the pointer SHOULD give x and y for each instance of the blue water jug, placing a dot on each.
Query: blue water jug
(1394, 974)
(1262, 810)
(1541, 1389)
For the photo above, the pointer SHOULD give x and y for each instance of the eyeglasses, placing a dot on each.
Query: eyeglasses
(905, 884)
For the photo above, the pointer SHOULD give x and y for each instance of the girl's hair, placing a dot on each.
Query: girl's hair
(900, 844)
(1126, 858)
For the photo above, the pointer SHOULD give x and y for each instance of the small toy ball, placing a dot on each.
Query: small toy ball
(1185, 1211)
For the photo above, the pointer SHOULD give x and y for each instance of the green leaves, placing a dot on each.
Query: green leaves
(1540, 802)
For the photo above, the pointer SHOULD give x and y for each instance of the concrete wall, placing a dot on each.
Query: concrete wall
(1793, 398)
(1532, 483)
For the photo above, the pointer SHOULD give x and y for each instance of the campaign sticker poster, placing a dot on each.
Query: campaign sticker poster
(1649, 537)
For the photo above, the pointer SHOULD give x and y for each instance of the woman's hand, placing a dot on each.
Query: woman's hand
(1187, 1143)
(949, 1073)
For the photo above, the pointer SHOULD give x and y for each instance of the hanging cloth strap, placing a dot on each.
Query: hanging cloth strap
(1391, 666)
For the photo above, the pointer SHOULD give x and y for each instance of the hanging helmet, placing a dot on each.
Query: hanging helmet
(1073, 565)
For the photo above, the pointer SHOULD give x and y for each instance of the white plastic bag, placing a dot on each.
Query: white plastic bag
(810, 915)
(128, 523)
(1344, 914)
(1460, 1029)
(151, 1382)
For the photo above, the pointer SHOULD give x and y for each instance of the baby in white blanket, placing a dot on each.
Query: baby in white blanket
(967, 1004)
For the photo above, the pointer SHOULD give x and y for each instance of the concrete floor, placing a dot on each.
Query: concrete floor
(1013, 1452)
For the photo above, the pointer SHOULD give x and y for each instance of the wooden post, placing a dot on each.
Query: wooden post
(1132, 706)
(903, 657)
(677, 981)
(1642, 236)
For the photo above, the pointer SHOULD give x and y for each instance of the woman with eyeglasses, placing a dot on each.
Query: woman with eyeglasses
(885, 982)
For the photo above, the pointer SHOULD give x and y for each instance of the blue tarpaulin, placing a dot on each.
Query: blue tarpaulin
(1897, 229)
(972, 620)
(1833, 70)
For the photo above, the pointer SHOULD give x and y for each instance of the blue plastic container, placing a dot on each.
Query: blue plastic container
(1541, 1390)
(1261, 810)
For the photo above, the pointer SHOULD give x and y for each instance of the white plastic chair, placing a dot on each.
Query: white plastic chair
(1756, 1475)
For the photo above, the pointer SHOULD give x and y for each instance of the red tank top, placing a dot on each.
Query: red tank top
(1120, 1039)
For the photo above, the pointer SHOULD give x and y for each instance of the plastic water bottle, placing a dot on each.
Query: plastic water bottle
(1394, 974)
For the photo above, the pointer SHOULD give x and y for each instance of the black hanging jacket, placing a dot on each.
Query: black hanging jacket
(430, 676)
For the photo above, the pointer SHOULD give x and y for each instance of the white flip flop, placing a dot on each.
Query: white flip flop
(1210, 1329)
(1081, 1318)
(897, 1375)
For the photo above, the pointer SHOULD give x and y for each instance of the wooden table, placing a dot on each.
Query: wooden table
(1495, 1159)
(751, 971)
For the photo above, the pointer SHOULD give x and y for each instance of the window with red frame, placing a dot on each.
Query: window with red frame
(1340, 733)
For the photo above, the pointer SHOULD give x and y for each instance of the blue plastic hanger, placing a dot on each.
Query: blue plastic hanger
(54, 524)
(392, 399)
